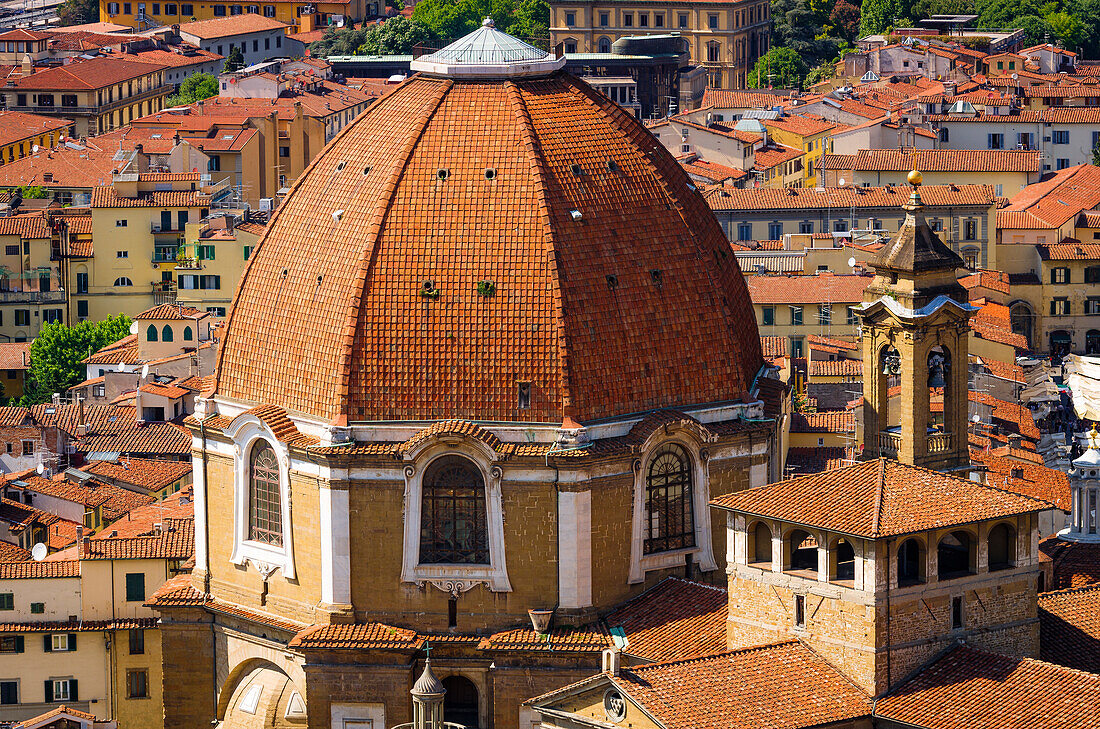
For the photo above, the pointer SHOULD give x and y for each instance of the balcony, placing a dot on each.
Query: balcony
(889, 443)
(187, 263)
(32, 297)
(164, 293)
(939, 442)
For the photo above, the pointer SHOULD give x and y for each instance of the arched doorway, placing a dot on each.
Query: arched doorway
(1092, 341)
(1061, 343)
(1022, 318)
(460, 705)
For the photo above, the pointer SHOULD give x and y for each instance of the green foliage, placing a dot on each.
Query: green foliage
(1096, 156)
(33, 192)
(338, 42)
(844, 21)
(878, 16)
(194, 88)
(780, 68)
(804, 26)
(451, 19)
(1069, 30)
(76, 12)
(234, 61)
(58, 349)
(801, 403)
(395, 37)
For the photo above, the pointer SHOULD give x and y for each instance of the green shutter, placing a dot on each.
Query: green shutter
(46, 645)
(49, 689)
(72, 690)
(72, 641)
(135, 587)
(18, 644)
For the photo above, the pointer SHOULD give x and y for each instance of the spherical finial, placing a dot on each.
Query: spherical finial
(488, 23)
(1093, 437)
(915, 178)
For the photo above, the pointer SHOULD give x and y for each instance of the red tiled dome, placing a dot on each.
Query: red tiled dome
(610, 286)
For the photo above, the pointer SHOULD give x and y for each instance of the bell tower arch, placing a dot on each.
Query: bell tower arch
(915, 327)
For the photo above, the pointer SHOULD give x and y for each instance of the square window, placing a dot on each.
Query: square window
(7, 601)
(38, 608)
(135, 587)
(61, 643)
(137, 684)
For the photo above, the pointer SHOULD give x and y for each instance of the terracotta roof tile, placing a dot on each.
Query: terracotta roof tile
(27, 225)
(356, 636)
(804, 125)
(782, 686)
(807, 461)
(13, 553)
(879, 498)
(39, 570)
(948, 160)
(590, 639)
(835, 368)
(78, 626)
(992, 322)
(1069, 628)
(1055, 200)
(48, 718)
(16, 126)
(142, 520)
(822, 288)
(1030, 479)
(775, 346)
(231, 25)
(176, 541)
(995, 280)
(730, 99)
(967, 687)
(726, 198)
(1069, 250)
(146, 473)
(831, 421)
(1075, 564)
(96, 73)
(673, 620)
(108, 197)
(12, 416)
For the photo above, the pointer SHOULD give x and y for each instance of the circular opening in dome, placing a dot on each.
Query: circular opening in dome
(490, 173)
(442, 173)
(612, 166)
(366, 170)
(341, 165)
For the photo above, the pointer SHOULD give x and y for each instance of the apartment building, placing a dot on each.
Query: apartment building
(1006, 171)
(22, 134)
(963, 216)
(796, 306)
(300, 15)
(724, 37)
(221, 243)
(97, 95)
(1065, 136)
(31, 288)
(76, 631)
(137, 225)
(259, 38)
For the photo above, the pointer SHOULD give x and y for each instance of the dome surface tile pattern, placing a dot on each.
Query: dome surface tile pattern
(463, 237)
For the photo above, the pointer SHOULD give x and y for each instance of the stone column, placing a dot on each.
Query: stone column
(575, 550)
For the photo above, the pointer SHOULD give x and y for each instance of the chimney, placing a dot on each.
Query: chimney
(86, 546)
(611, 661)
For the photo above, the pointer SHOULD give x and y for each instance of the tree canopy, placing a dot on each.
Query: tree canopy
(195, 87)
(234, 61)
(58, 349)
(780, 68)
(397, 36)
(76, 12)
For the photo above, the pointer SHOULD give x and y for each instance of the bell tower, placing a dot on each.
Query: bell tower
(915, 325)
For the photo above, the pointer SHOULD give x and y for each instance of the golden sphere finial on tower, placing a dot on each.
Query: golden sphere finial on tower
(915, 178)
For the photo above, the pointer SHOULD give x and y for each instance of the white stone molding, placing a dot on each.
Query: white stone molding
(335, 545)
(484, 458)
(246, 431)
(198, 486)
(690, 437)
(454, 588)
(574, 549)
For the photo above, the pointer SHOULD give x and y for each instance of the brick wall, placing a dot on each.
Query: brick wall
(187, 648)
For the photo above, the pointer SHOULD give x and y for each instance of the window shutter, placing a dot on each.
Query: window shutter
(1053, 304)
(18, 644)
(46, 638)
(72, 641)
(72, 690)
(49, 690)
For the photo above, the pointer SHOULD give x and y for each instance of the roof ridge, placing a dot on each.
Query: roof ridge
(1067, 590)
(876, 519)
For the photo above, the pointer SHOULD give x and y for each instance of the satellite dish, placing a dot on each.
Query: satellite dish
(975, 418)
(840, 182)
(34, 149)
(122, 367)
(38, 552)
(851, 262)
(144, 372)
(41, 469)
(133, 328)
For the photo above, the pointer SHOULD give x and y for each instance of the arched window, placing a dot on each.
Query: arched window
(605, 45)
(955, 551)
(803, 551)
(453, 526)
(1002, 547)
(187, 335)
(123, 281)
(166, 333)
(1021, 318)
(844, 568)
(151, 333)
(910, 563)
(669, 519)
(760, 551)
(265, 507)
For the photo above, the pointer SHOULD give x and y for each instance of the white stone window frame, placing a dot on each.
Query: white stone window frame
(454, 578)
(246, 431)
(692, 440)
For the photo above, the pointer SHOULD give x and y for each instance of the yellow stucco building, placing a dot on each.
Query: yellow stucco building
(301, 15)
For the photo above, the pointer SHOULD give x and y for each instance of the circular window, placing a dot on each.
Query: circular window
(614, 705)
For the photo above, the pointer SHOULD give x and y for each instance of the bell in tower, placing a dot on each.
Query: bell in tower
(915, 325)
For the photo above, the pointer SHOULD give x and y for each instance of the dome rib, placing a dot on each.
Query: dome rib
(377, 225)
(538, 167)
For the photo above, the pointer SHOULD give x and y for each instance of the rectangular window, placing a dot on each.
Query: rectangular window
(796, 316)
(744, 231)
(63, 689)
(851, 318)
(805, 227)
(12, 250)
(1059, 307)
(216, 310)
(82, 308)
(59, 642)
(825, 314)
(247, 252)
(800, 611)
(122, 254)
(1059, 137)
(956, 613)
(570, 19)
(11, 644)
(682, 21)
(206, 252)
(1092, 305)
(210, 282)
(22, 317)
(658, 20)
(135, 586)
(126, 8)
(605, 20)
(38, 608)
(99, 391)
(137, 684)
(628, 20)
(7, 600)
(9, 692)
(643, 20)
(1095, 140)
(1059, 275)
(767, 316)
(712, 22)
(51, 315)
(219, 11)
(970, 230)
(996, 141)
(1061, 163)
(775, 231)
(945, 134)
(120, 224)
(170, 9)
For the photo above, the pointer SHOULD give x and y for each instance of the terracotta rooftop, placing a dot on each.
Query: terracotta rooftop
(782, 686)
(124, 350)
(15, 356)
(13, 553)
(835, 368)
(560, 638)
(176, 541)
(969, 688)
(31, 570)
(818, 289)
(328, 292)
(994, 280)
(16, 125)
(231, 25)
(1069, 249)
(948, 160)
(879, 498)
(146, 473)
(1055, 200)
(807, 461)
(830, 421)
(53, 716)
(176, 312)
(747, 99)
(108, 197)
(804, 125)
(95, 73)
(1069, 628)
(775, 346)
(1075, 564)
(26, 225)
(356, 636)
(142, 521)
(1030, 479)
(673, 620)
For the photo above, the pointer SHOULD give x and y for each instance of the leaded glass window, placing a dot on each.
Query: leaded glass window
(669, 523)
(452, 514)
(265, 509)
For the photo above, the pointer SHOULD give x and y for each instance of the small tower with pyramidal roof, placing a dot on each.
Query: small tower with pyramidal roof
(915, 325)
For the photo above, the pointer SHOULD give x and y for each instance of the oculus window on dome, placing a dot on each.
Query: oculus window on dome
(669, 521)
(453, 517)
